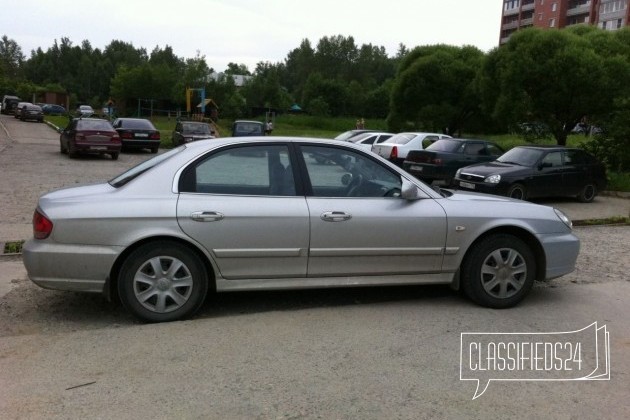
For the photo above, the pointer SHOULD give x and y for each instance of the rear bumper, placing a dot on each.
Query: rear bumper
(97, 147)
(140, 143)
(77, 268)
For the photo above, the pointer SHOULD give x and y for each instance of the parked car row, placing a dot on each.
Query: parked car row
(522, 173)
(28, 111)
(100, 136)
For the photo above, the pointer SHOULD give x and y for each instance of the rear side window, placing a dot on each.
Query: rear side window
(246, 170)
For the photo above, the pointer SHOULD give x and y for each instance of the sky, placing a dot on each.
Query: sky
(249, 31)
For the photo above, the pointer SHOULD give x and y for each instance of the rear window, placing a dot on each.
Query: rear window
(402, 138)
(137, 124)
(94, 125)
(445, 146)
(199, 128)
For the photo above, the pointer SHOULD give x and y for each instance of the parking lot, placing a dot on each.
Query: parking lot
(358, 353)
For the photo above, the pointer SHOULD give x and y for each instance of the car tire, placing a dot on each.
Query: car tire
(588, 193)
(114, 155)
(168, 295)
(517, 191)
(72, 152)
(154, 150)
(499, 271)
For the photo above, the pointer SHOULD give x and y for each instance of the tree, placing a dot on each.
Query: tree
(555, 78)
(435, 88)
(237, 69)
(11, 58)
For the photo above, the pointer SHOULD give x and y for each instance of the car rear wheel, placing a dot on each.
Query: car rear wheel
(162, 281)
(62, 149)
(588, 193)
(154, 150)
(499, 271)
(517, 191)
(114, 155)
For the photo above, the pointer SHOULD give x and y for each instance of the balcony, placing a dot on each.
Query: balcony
(510, 12)
(528, 6)
(579, 9)
(527, 22)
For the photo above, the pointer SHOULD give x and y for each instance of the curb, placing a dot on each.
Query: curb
(618, 194)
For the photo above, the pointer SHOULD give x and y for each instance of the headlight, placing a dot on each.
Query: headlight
(458, 173)
(565, 219)
(493, 179)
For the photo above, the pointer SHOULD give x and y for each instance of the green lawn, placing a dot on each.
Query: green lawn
(307, 126)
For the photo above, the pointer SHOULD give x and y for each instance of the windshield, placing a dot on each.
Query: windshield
(137, 170)
(445, 146)
(521, 156)
(402, 138)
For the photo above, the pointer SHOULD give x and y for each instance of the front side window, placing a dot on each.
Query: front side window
(246, 170)
(335, 172)
(553, 159)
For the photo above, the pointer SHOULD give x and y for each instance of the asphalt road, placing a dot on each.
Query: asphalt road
(343, 353)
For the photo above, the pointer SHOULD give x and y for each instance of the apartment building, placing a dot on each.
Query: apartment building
(519, 14)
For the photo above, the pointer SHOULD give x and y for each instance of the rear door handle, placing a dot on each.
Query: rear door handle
(206, 216)
(335, 216)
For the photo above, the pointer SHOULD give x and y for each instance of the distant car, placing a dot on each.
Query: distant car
(90, 135)
(137, 133)
(261, 214)
(243, 128)
(440, 160)
(52, 109)
(366, 140)
(18, 109)
(32, 112)
(346, 135)
(397, 147)
(9, 102)
(527, 172)
(85, 111)
(188, 131)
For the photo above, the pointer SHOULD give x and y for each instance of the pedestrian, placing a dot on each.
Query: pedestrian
(268, 127)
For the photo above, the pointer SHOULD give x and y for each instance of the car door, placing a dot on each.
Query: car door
(547, 178)
(359, 223)
(575, 174)
(240, 203)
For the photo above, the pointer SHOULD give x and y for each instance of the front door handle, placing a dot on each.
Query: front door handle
(335, 216)
(206, 216)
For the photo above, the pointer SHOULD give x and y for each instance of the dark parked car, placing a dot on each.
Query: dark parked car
(90, 135)
(137, 133)
(52, 109)
(187, 131)
(31, 112)
(440, 160)
(17, 112)
(527, 172)
(242, 128)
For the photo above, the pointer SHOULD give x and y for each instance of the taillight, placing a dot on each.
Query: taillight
(437, 161)
(79, 136)
(42, 226)
(155, 136)
(127, 136)
(394, 153)
(116, 138)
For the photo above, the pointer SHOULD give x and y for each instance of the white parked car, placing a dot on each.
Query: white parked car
(397, 147)
(366, 140)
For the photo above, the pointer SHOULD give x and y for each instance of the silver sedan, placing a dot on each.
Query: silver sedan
(286, 213)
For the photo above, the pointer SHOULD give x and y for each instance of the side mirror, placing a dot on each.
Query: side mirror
(410, 191)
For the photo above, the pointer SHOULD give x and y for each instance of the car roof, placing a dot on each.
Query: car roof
(547, 147)
(247, 121)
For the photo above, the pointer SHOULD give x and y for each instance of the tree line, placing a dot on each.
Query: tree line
(553, 79)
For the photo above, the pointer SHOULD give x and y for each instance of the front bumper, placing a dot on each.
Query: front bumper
(561, 253)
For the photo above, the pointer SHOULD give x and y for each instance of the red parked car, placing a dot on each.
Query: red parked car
(137, 133)
(90, 135)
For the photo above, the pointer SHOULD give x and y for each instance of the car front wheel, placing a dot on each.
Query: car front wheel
(499, 271)
(162, 281)
(517, 191)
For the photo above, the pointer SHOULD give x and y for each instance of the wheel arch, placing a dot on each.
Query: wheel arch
(111, 285)
(530, 240)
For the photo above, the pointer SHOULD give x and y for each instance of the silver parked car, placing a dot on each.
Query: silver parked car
(261, 213)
